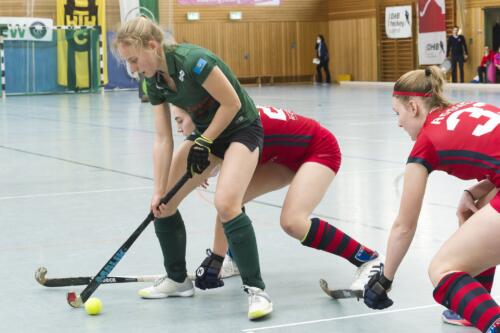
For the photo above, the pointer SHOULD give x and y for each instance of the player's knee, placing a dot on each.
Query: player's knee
(169, 209)
(290, 223)
(227, 208)
(436, 271)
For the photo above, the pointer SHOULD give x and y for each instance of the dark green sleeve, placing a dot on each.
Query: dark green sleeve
(199, 64)
(155, 96)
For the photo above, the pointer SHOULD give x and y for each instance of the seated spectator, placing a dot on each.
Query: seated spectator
(485, 61)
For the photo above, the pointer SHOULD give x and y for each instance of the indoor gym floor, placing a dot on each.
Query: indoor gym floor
(75, 181)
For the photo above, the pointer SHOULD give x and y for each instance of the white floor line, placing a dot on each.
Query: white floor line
(74, 193)
(369, 314)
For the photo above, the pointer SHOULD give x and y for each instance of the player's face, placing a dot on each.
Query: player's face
(406, 118)
(183, 121)
(144, 61)
(455, 31)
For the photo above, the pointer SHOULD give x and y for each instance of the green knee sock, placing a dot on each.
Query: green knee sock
(172, 236)
(243, 245)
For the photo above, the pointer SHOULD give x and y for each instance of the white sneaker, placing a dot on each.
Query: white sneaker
(165, 287)
(259, 302)
(229, 268)
(366, 271)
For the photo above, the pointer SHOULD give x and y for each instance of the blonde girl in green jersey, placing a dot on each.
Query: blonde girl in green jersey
(229, 133)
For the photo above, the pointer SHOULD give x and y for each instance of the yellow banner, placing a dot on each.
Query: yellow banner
(78, 50)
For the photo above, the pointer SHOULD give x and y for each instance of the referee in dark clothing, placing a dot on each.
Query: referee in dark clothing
(458, 50)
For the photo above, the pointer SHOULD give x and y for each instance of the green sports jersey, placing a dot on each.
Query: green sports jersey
(189, 66)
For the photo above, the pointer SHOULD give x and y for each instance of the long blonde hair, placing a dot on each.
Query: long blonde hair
(137, 32)
(427, 82)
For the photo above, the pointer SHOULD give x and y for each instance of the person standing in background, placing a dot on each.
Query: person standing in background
(496, 34)
(457, 53)
(324, 58)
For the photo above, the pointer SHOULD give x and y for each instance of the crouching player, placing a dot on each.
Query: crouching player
(298, 152)
(463, 140)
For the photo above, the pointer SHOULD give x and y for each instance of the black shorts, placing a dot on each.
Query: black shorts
(251, 136)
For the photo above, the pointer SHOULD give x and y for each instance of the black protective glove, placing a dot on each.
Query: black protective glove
(376, 289)
(207, 275)
(197, 160)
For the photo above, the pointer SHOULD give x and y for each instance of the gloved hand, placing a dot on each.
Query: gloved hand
(207, 275)
(197, 160)
(376, 289)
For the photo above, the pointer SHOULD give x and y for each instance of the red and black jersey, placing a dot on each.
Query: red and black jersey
(287, 135)
(462, 140)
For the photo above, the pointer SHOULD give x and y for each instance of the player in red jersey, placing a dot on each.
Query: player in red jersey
(463, 140)
(301, 153)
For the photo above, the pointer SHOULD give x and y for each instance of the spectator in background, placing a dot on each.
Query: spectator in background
(457, 53)
(324, 58)
(483, 67)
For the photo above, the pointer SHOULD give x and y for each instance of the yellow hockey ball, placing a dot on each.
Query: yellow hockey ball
(93, 306)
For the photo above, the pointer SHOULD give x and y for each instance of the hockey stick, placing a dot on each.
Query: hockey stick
(41, 272)
(340, 293)
(75, 300)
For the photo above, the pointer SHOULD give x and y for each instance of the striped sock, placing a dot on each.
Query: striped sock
(486, 278)
(324, 236)
(459, 292)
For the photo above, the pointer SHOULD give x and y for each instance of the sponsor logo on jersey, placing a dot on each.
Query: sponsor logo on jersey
(181, 75)
(199, 66)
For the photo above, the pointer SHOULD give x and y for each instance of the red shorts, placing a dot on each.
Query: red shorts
(323, 149)
(495, 202)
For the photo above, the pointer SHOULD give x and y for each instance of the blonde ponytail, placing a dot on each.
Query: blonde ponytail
(427, 84)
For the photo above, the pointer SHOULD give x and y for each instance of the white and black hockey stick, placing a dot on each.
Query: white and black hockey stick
(77, 301)
(340, 293)
(41, 277)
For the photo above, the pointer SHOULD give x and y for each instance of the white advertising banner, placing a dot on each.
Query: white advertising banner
(27, 28)
(398, 22)
(431, 32)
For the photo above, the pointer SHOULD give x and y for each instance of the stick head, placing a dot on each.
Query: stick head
(40, 275)
(74, 300)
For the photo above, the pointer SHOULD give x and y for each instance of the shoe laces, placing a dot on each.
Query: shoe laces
(160, 280)
(374, 269)
(255, 294)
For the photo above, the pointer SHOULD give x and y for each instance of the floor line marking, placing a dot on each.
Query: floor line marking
(41, 195)
(369, 314)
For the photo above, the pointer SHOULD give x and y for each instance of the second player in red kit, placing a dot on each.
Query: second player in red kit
(301, 153)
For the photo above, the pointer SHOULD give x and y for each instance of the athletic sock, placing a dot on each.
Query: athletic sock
(486, 278)
(171, 233)
(324, 236)
(243, 245)
(459, 292)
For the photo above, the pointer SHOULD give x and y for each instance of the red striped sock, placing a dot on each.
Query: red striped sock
(486, 278)
(461, 293)
(324, 236)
